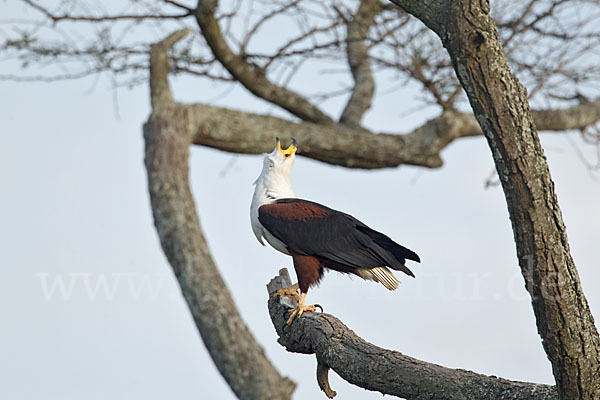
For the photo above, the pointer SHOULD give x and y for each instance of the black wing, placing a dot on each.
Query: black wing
(310, 228)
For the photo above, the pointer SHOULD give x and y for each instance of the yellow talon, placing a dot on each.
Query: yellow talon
(298, 311)
(290, 291)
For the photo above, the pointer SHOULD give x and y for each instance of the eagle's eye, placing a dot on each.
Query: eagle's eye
(287, 155)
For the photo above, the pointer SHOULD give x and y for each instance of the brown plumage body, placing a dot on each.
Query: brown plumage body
(319, 238)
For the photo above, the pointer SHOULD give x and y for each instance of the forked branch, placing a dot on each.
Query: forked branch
(253, 78)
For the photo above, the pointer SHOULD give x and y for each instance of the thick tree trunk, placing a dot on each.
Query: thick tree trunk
(500, 105)
(237, 355)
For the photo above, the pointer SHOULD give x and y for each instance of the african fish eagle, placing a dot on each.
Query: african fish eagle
(318, 237)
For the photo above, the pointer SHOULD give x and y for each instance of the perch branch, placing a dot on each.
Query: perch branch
(389, 372)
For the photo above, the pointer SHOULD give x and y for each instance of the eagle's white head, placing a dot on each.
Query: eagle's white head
(273, 182)
(278, 164)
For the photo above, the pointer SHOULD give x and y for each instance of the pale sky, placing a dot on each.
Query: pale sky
(75, 210)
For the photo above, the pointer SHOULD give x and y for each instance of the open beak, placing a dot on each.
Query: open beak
(290, 150)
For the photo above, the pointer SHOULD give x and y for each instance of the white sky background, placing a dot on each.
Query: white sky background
(75, 207)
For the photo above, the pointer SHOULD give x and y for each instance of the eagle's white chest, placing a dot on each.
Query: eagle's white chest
(267, 194)
(261, 232)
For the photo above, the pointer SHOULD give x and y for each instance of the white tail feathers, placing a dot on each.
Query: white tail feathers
(380, 274)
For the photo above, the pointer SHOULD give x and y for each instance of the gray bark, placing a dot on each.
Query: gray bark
(172, 127)
(235, 352)
(373, 368)
(501, 113)
(253, 78)
(357, 53)
(243, 132)
(499, 102)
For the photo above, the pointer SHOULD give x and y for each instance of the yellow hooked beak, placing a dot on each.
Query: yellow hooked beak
(290, 150)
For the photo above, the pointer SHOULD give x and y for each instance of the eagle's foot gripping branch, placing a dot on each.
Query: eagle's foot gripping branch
(298, 311)
(290, 291)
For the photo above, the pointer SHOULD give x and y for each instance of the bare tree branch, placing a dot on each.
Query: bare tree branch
(241, 132)
(178, 5)
(373, 368)
(253, 78)
(235, 352)
(255, 28)
(88, 18)
(160, 90)
(358, 60)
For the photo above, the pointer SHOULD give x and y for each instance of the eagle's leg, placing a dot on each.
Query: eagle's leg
(290, 291)
(302, 308)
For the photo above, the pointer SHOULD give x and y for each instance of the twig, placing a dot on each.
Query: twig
(68, 17)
